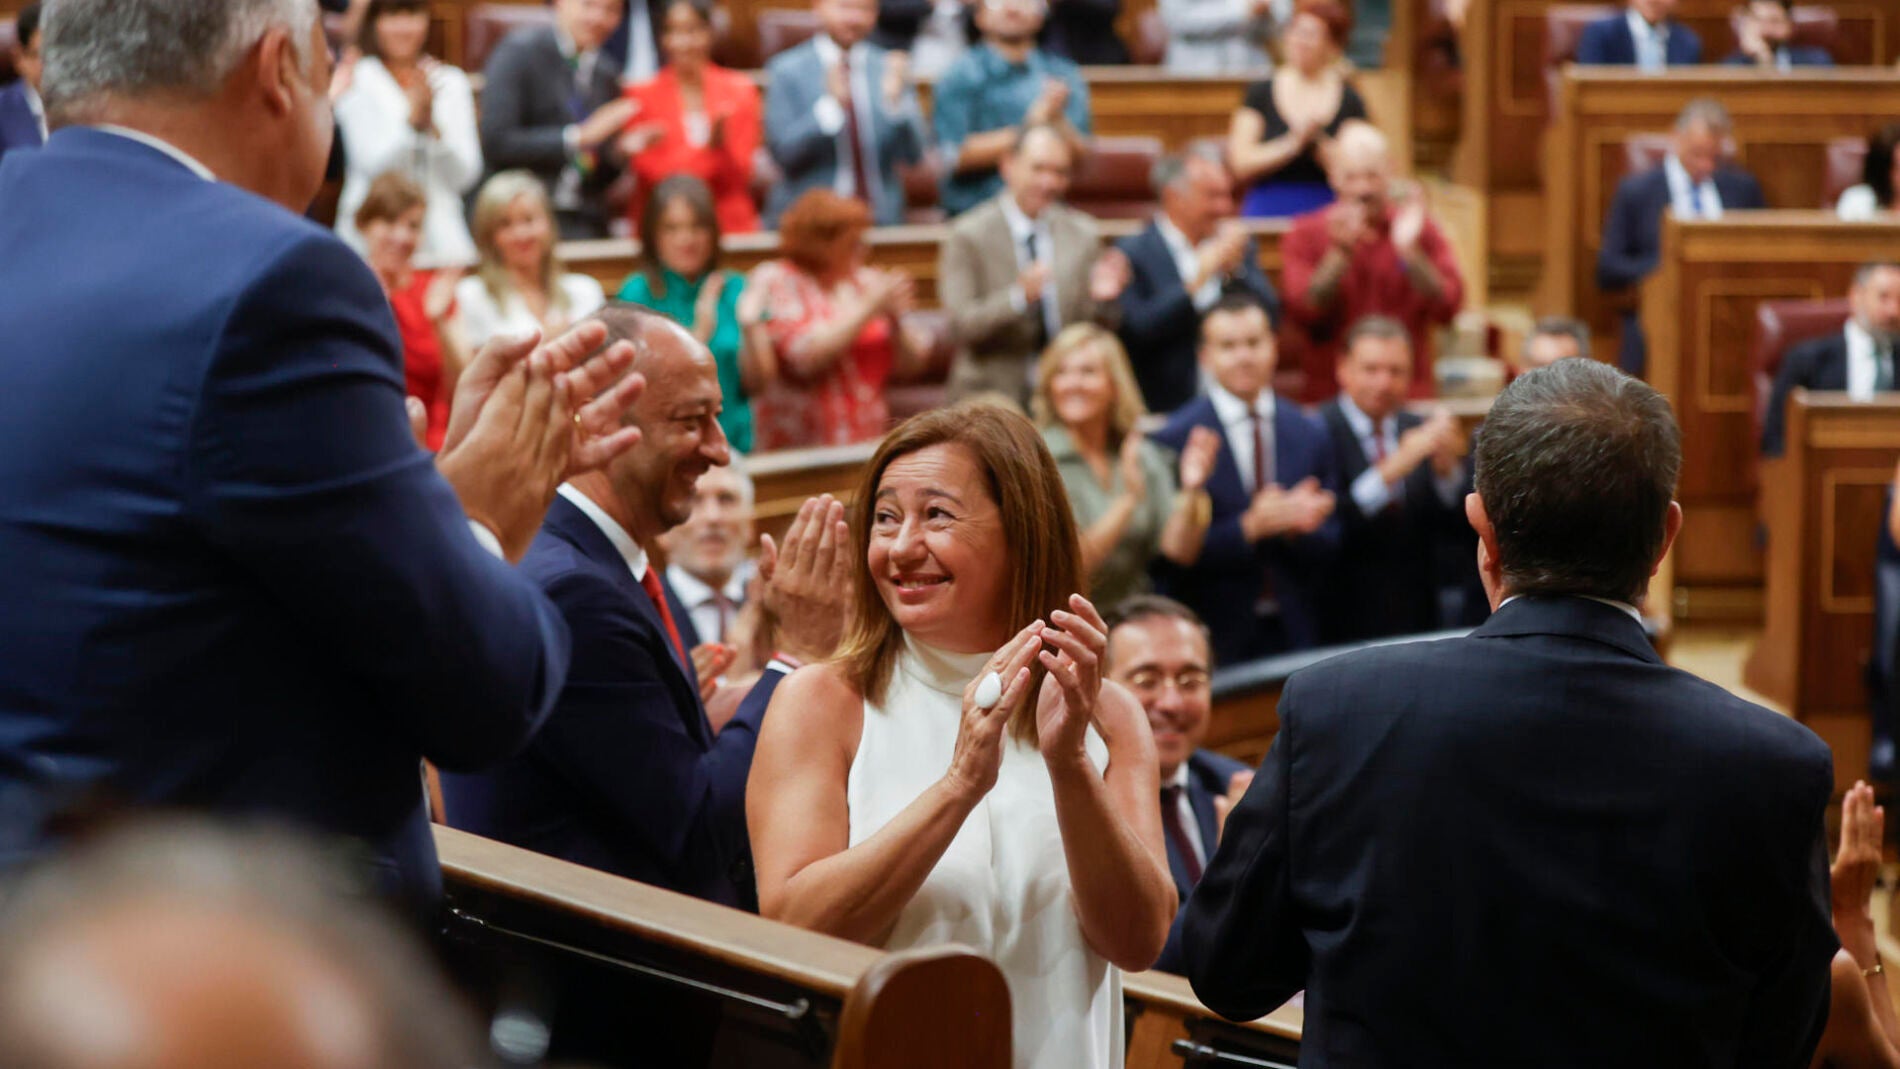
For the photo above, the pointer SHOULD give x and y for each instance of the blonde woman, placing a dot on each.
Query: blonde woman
(1122, 488)
(520, 286)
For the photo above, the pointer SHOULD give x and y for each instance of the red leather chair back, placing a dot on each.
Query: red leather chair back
(1780, 326)
(782, 28)
(1846, 162)
(486, 24)
(922, 192)
(1150, 46)
(1563, 31)
(926, 389)
(1111, 179)
(1818, 26)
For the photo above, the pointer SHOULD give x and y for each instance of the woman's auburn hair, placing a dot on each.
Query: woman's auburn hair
(1044, 553)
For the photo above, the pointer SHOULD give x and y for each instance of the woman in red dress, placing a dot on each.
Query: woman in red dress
(390, 220)
(695, 118)
(833, 327)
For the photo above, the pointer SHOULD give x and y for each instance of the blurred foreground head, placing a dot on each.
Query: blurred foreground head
(193, 946)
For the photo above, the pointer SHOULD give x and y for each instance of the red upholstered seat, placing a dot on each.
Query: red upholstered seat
(1780, 326)
(926, 389)
(1846, 160)
(1818, 26)
(1112, 179)
(783, 28)
(486, 24)
(921, 189)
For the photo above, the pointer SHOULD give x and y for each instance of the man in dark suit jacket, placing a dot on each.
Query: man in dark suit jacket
(1403, 486)
(1257, 582)
(22, 116)
(1539, 844)
(551, 104)
(628, 775)
(1642, 35)
(1179, 266)
(1160, 651)
(1859, 359)
(1767, 40)
(249, 590)
(1695, 183)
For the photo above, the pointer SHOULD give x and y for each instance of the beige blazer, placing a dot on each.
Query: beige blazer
(976, 268)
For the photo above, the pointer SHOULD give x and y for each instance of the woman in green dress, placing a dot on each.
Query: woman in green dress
(1132, 501)
(680, 277)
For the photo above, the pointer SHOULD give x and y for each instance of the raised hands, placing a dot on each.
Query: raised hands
(1077, 641)
(710, 661)
(421, 96)
(1110, 276)
(1220, 255)
(806, 588)
(896, 78)
(1296, 511)
(1032, 279)
(1856, 867)
(1198, 456)
(1049, 104)
(1408, 218)
(606, 121)
(978, 756)
(1346, 224)
(1134, 483)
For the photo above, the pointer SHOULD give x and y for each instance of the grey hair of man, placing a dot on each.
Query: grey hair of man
(1707, 113)
(1561, 327)
(1379, 327)
(1576, 468)
(1865, 272)
(1172, 168)
(96, 50)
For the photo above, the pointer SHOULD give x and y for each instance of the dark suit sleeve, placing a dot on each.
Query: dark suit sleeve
(1254, 281)
(1790, 1003)
(507, 139)
(1751, 193)
(1692, 50)
(1240, 939)
(1628, 254)
(792, 135)
(1156, 308)
(618, 737)
(1594, 46)
(1797, 369)
(300, 467)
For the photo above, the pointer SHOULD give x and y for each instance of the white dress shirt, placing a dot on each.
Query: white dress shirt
(1652, 42)
(1188, 820)
(1685, 195)
(373, 120)
(484, 319)
(37, 107)
(1234, 420)
(1863, 362)
(630, 550)
(702, 601)
(1369, 491)
(829, 111)
(1020, 228)
(643, 52)
(1188, 264)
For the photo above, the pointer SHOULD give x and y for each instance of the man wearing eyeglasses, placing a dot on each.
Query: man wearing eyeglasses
(994, 90)
(1159, 650)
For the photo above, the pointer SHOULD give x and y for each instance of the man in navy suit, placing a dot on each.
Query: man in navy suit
(22, 115)
(628, 775)
(1257, 582)
(1643, 36)
(1767, 40)
(1159, 650)
(1859, 359)
(239, 585)
(1694, 182)
(1179, 266)
(1403, 492)
(1538, 844)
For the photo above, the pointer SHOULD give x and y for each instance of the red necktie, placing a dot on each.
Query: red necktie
(858, 169)
(651, 581)
(1262, 456)
(1378, 443)
(1177, 832)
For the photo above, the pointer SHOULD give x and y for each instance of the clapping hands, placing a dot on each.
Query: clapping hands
(1296, 511)
(1856, 869)
(1076, 643)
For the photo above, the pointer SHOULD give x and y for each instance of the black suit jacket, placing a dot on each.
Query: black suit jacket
(1817, 364)
(529, 96)
(1632, 238)
(1160, 326)
(1538, 845)
(627, 775)
(1385, 579)
(1207, 779)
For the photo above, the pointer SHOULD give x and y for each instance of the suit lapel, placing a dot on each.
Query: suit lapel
(1350, 449)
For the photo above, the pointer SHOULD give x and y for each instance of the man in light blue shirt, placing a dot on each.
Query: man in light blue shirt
(996, 88)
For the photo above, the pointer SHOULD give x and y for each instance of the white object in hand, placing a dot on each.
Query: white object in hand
(989, 691)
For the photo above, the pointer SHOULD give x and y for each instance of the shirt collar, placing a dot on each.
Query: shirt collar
(1020, 225)
(1622, 606)
(1859, 337)
(829, 50)
(1639, 26)
(169, 149)
(1357, 417)
(1232, 409)
(1177, 241)
(630, 550)
(1180, 777)
(694, 591)
(33, 102)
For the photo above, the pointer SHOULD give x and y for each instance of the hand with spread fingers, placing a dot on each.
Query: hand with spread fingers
(1077, 641)
(1856, 868)
(978, 756)
(806, 587)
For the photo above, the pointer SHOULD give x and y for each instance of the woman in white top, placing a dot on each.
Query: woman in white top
(519, 285)
(1221, 36)
(901, 797)
(1873, 197)
(403, 111)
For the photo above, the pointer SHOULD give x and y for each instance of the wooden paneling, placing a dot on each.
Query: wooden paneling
(909, 248)
(1782, 126)
(1699, 311)
(1506, 96)
(1822, 505)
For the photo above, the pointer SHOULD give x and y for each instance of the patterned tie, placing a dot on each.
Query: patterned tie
(1262, 452)
(1177, 832)
(723, 606)
(651, 581)
(1378, 443)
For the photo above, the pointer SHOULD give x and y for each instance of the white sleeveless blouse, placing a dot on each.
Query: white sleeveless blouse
(1002, 887)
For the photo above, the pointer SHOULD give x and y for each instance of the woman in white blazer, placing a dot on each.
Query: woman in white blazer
(406, 112)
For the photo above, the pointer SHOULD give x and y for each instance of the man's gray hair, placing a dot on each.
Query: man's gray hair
(1561, 327)
(1172, 168)
(1705, 112)
(96, 49)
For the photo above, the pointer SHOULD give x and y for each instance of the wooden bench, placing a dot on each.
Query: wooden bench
(1699, 314)
(1506, 102)
(1784, 127)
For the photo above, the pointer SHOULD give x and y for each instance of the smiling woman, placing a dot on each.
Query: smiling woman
(889, 806)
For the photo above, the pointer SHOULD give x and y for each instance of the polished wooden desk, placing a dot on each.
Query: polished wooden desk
(1822, 503)
(769, 993)
(1169, 1028)
(1506, 101)
(1699, 314)
(910, 248)
(1782, 126)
